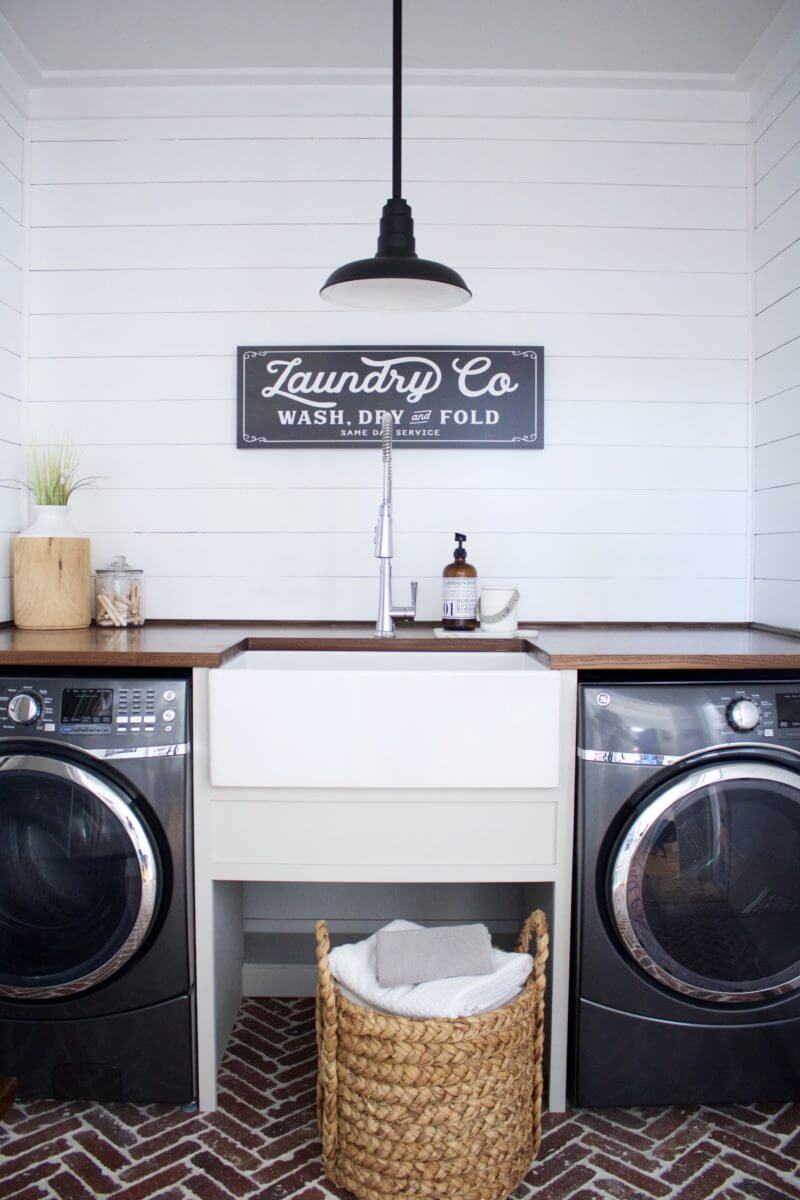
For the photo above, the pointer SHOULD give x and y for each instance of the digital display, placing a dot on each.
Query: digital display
(87, 706)
(788, 710)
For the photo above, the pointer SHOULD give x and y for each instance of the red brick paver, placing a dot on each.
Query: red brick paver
(262, 1143)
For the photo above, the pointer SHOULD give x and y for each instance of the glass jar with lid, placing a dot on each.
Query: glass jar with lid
(119, 593)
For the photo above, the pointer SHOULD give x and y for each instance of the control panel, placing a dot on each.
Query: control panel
(749, 711)
(655, 723)
(768, 711)
(764, 710)
(133, 712)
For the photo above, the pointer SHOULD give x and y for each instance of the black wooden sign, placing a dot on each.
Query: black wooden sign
(445, 396)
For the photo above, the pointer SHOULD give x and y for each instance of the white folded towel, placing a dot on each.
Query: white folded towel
(355, 969)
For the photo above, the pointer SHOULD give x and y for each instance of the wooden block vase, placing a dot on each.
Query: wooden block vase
(52, 574)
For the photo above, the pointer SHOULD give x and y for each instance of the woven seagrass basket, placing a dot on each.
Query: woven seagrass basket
(440, 1108)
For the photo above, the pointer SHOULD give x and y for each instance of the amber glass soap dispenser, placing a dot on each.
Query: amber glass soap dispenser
(459, 590)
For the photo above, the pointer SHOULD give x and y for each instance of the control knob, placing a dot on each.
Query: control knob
(25, 708)
(743, 715)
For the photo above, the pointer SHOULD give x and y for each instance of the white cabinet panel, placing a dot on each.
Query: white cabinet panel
(254, 840)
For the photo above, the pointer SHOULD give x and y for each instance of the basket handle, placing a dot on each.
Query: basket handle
(327, 1038)
(537, 923)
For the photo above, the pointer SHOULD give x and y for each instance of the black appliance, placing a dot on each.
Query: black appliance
(686, 949)
(96, 946)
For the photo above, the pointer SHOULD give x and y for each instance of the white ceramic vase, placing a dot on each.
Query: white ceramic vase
(50, 521)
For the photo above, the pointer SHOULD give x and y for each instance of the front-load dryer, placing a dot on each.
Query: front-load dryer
(96, 960)
(686, 951)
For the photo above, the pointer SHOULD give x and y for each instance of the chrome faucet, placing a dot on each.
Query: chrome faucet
(387, 613)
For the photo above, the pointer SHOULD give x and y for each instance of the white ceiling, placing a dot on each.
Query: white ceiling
(68, 38)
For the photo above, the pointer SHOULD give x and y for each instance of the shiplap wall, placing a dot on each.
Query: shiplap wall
(168, 225)
(12, 137)
(776, 596)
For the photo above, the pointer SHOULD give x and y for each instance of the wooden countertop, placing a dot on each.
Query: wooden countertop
(209, 643)
(576, 647)
(667, 647)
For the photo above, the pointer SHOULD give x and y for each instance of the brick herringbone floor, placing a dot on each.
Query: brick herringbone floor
(262, 1143)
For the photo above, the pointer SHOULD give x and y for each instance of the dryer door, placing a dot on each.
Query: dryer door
(705, 882)
(78, 877)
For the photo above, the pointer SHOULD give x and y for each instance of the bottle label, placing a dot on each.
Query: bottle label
(459, 599)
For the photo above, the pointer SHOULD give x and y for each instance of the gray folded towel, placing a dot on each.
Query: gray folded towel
(420, 955)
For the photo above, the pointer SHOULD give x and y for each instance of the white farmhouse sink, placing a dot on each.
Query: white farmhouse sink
(383, 719)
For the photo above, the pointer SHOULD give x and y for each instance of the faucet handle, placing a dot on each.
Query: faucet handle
(407, 612)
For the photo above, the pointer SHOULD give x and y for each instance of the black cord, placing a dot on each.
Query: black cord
(397, 96)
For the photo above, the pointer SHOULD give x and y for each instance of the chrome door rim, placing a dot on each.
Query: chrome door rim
(115, 800)
(628, 867)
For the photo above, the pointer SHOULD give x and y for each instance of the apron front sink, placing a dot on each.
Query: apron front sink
(372, 719)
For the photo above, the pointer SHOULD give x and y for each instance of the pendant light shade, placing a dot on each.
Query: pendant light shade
(396, 278)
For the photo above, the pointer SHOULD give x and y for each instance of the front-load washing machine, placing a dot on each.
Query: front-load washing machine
(686, 951)
(96, 962)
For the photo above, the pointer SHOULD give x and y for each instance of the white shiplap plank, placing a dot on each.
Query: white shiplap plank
(777, 509)
(574, 422)
(537, 100)
(219, 333)
(11, 148)
(11, 239)
(13, 95)
(778, 417)
(778, 277)
(778, 370)
(10, 113)
(778, 324)
(290, 125)
(10, 419)
(777, 232)
(197, 466)
(446, 160)
(558, 204)
(10, 466)
(10, 330)
(471, 246)
(778, 463)
(9, 518)
(5, 599)
(778, 139)
(11, 371)
(777, 602)
(322, 598)
(10, 285)
(166, 377)
(777, 556)
(158, 507)
(350, 555)
(634, 292)
(779, 185)
(10, 194)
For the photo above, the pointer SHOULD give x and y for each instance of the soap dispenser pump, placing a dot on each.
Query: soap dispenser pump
(460, 590)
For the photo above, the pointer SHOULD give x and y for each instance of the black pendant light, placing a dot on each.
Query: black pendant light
(395, 278)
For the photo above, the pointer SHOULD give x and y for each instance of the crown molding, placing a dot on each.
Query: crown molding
(17, 54)
(774, 57)
(33, 75)
(429, 77)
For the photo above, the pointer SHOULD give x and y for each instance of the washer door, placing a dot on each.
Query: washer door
(78, 878)
(705, 882)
